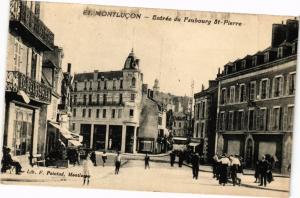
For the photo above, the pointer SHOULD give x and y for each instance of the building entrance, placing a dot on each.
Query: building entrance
(99, 137)
(115, 137)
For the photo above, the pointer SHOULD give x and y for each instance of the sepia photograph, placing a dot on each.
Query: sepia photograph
(141, 99)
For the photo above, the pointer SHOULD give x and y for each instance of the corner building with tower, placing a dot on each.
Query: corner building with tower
(106, 107)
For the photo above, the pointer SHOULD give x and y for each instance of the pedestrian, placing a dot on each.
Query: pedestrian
(195, 165)
(8, 162)
(104, 158)
(234, 168)
(225, 163)
(147, 159)
(180, 160)
(264, 167)
(172, 158)
(215, 163)
(257, 172)
(93, 158)
(86, 163)
(117, 163)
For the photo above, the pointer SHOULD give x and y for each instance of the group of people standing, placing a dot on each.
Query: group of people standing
(225, 167)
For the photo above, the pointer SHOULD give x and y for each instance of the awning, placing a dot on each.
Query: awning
(75, 143)
(64, 132)
(194, 144)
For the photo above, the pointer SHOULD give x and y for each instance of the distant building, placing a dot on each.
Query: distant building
(106, 107)
(180, 124)
(205, 120)
(256, 101)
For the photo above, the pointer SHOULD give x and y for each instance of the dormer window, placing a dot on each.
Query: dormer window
(85, 84)
(294, 48)
(266, 57)
(121, 84)
(98, 87)
(133, 82)
(244, 64)
(280, 52)
(254, 60)
(91, 85)
(105, 84)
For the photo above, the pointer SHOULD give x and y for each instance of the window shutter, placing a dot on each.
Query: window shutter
(271, 121)
(281, 86)
(285, 123)
(273, 87)
(268, 89)
(280, 118)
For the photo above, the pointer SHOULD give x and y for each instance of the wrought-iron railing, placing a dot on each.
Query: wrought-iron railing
(17, 81)
(19, 11)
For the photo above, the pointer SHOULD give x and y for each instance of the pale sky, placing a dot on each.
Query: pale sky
(174, 52)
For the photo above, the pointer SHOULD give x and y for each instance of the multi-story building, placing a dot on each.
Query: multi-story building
(26, 95)
(256, 101)
(180, 124)
(205, 120)
(106, 107)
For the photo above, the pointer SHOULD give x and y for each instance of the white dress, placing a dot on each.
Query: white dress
(86, 167)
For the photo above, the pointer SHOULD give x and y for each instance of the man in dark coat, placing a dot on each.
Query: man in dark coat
(195, 165)
(7, 162)
(147, 159)
(264, 167)
(180, 160)
(93, 158)
(172, 158)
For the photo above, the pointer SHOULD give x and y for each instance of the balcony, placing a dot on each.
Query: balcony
(27, 24)
(17, 81)
(100, 104)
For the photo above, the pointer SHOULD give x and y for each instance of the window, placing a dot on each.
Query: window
(242, 93)
(90, 113)
(198, 110)
(85, 85)
(179, 124)
(262, 119)
(120, 98)
(244, 64)
(174, 123)
(276, 118)
(105, 84)
(264, 88)
(104, 99)
(159, 120)
(104, 113)
(83, 112)
(240, 120)
(222, 121)
(91, 85)
(97, 113)
(251, 121)
(90, 99)
(74, 112)
(131, 112)
(84, 99)
(18, 55)
(75, 100)
(278, 85)
(254, 60)
(99, 85)
(223, 96)
(121, 84)
(113, 113)
(114, 84)
(230, 120)
(232, 94)
(133, 82)
(197, 130)
(280, 52)
(203, 110)
(75, 86)
(202, 129)
(266, 57)
(119, 113)
(252, 90)
(132, 97)
(73, 126)
(290, 117)
(98, 99)
(292, 83)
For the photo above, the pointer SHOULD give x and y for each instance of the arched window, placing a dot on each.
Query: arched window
(133, 82)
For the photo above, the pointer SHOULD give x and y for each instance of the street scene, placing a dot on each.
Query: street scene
(111, 98)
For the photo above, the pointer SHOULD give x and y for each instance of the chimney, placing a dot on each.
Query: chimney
(69, 68)
(95, 75)
(292, 29)
(278, 34)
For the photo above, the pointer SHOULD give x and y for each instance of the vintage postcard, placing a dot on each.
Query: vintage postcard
(149, 99)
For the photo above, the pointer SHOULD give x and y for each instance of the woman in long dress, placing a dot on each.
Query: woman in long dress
(86, 164)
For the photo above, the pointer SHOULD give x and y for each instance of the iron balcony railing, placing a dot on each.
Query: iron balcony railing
(20, 12)
(17, 81)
